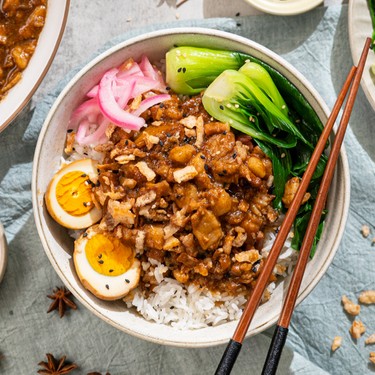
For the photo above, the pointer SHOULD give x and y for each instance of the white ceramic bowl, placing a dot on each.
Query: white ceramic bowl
(57, 243)
(284, 7)
(48, 43)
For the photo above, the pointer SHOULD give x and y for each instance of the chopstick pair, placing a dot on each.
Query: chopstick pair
(234, 346)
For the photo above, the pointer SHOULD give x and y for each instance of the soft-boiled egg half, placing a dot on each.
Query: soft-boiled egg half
(69, 195)
(105, 265)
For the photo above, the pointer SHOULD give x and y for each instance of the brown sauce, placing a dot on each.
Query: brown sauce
(188, 192)
(21, 22)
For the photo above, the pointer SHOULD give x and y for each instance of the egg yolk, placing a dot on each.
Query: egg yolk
(108, 255)
(73, 192)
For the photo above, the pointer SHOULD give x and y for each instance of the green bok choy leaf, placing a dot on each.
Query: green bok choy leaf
(234, 98)
(255, 99)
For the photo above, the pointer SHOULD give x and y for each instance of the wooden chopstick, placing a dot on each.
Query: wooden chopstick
(281, 330)
(234, 346)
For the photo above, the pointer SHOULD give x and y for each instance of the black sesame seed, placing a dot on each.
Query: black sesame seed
(84, 234)
(256, 266)
(238, 14)
(222, 107)
(224, 133)
(100, 256)
(161, 143)
(179, 70)
(107, 286)
(85, 153)
(161, 105)
(127, 281)
(73, 149)
(206, 167)
(100, 261)
(168, 135)
(202, 157)
(84, 175)
(234, 155)
(183, 70)
(221, 174)
(126, 142)
(69, 130)
(110, 271)
(238, 24)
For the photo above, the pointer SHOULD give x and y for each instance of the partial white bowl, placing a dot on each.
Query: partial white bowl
(3, 252)
(59, 246)
(284, 7)
(48, 43)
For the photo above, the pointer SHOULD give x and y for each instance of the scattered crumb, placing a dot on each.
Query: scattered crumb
(357, 329)
(372, 357)
(350, 307)
(336, 343)
(370, 340)
(365, 230)
(177, 16)
(367, 297)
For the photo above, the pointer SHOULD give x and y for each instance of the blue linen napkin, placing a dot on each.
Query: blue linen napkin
(316, 43)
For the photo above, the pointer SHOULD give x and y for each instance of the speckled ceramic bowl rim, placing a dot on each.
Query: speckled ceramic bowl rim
(315, 97)
(284, 8)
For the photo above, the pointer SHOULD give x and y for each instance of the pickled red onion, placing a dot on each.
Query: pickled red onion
(111, 109)
(84, 139)
(109, 101)
(151, 72)
(93, 92)
(149, 102)
(88, 108)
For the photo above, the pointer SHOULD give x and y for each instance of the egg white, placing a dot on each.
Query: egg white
(87, 166)
(104, 287)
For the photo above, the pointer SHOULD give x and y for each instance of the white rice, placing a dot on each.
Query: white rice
(188, 307)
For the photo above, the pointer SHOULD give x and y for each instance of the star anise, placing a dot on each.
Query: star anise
(61, 301)
(55, 367)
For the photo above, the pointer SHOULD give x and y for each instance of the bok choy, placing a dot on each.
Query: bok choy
(255, 99)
